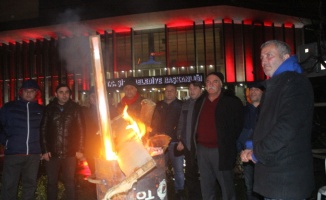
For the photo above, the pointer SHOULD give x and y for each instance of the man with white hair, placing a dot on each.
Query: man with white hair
(218, 122)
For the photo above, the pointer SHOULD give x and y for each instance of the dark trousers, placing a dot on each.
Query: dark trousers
(192, 176)
(248, 173)
(208, 163)
(15, 166)
(67, 166)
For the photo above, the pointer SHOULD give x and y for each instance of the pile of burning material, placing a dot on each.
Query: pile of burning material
(139, 171)
(129, 170)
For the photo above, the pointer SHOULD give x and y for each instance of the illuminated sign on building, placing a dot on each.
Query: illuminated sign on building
(155, 80)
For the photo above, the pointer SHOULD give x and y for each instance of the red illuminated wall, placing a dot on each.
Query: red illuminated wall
(229, 50)
(248, 50)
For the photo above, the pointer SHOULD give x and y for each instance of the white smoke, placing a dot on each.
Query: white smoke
(73, 45)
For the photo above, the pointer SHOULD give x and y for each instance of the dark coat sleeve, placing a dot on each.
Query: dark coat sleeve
(283, 121)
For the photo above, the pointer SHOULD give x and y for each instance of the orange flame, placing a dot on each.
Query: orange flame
(138, 127)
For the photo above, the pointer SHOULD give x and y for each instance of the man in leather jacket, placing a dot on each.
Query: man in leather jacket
(62, 141)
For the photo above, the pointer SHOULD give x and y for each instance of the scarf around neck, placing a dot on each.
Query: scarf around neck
(126, 101)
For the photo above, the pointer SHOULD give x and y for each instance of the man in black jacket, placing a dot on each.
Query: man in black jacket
(20, 122)
(62, 137)
(281, 146)
(218, 122)
(165, 121)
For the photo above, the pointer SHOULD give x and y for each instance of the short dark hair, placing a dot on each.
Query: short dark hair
(170, 84)
(63, 85)
(197, 84)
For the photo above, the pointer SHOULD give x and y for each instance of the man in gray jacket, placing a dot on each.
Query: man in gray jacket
(185, 133)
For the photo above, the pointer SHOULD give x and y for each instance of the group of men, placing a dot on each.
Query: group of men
(214, 123)
(208, 131)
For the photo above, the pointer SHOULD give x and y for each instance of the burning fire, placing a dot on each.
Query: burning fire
(139, 128)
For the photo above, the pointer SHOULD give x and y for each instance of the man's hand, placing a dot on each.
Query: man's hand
(246, 155)
(46, 156)
(180, 146)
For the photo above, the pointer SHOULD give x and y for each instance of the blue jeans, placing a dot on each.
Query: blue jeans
(177, 165)
(208, 163)
(15, 166)
(68, 167)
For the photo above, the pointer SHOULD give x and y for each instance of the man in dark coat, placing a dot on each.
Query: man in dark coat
(165, 121)
(251, 113)
(218, 122)
(62, 137)
(281, 145)
(20, 124)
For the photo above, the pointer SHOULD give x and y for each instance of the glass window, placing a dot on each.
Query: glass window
(181, 49)
(123, 51)
(149, 52)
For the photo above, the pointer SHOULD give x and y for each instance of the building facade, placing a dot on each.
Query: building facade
(175, 42)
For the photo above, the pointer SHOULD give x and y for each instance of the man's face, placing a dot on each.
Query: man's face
(170, 93)
(255, 94)
(213, 84)
(63, 95)
(271, 59)
(194, 91)
(29, 94)
(130, 91)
